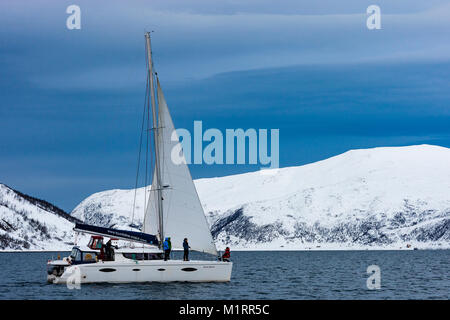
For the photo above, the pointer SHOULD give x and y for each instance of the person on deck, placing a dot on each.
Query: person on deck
(186, 250)
(170, 245)
(166, 247)
(226, 255)
(110, 251)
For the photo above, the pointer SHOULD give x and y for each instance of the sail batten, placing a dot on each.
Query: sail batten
(182, 212)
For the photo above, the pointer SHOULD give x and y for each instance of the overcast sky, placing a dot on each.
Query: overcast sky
(71, 100)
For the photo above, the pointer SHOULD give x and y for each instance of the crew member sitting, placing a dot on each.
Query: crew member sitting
(226, 255)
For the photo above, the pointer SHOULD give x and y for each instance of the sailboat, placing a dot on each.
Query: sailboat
(173, 210)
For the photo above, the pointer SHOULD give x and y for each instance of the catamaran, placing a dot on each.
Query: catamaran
(173, 210)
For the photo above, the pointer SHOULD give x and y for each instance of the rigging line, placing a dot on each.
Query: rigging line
(139, 155)
(160, 132)
(152, 165)
(152, 131)
(140, 150)
(147, 151)
(157, 131)
(147, 134)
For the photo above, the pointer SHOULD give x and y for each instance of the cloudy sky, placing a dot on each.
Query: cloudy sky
(71, 100)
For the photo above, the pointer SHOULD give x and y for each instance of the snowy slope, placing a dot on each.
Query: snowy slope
(371, 198)
(112, 208)
(27, 223)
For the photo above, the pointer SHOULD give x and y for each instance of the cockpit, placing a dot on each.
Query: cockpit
(96, 250)
(96, 242)
(78, 256)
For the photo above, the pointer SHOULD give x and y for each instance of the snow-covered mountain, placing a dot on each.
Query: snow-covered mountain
(27, 223)
(370, 198)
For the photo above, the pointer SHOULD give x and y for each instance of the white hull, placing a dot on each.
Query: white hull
(146, 271)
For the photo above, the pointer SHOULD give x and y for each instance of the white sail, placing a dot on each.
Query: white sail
(183, 215)
(151, 217)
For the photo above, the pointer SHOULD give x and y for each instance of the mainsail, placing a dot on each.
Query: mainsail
(183, 215)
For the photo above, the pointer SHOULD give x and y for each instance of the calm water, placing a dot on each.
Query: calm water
(258, 275)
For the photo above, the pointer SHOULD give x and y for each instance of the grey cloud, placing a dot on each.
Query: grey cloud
(197, 44)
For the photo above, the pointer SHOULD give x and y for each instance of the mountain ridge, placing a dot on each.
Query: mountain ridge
(379, 198)
(382, 197)
(29, 223)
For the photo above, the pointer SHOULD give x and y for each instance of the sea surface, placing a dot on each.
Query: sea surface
(419, 274)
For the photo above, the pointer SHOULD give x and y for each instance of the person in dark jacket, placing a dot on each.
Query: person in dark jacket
(170, 245)
(226, 255)
(166, 247)
(109, 251)
(186, 250)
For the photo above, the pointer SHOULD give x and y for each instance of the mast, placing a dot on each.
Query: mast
(185, 215)
(155, 140)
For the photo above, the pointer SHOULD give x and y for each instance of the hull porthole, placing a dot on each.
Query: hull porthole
(107, 270)
(189, 269)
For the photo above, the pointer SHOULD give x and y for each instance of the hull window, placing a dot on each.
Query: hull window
(161, 269)
(55, 270)
(143, 256)
(136, 269)
(107, 270)
(75, 254)
(189, 269)
(89, 257)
